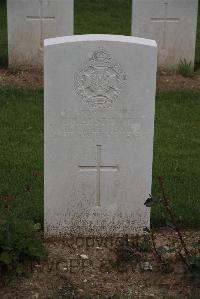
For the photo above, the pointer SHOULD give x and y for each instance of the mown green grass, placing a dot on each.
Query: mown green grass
(92, 16)
(21, 151)
(105, 16)
(3, 34)
(197, 59)
(176, 152)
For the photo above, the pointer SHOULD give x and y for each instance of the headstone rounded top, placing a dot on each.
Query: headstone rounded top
(99, 37)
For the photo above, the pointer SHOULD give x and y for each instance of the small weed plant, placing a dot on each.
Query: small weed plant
(190, 258)
(185, 68)
(20, 245)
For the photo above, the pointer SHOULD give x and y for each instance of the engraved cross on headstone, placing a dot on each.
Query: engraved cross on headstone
(98, 168)
(41, 18)
(165, 20)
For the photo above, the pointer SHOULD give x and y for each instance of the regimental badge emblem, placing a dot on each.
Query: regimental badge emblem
(100, 81)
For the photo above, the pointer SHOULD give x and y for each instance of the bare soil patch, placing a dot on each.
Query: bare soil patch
(87, 268)
(34, 79)
(177, 82)
(23, 79)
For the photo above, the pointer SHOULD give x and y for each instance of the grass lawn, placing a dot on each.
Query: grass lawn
(197, 59)
(176, 152)
(104, 16)
(3, 34)
(92, 16)
(21, 152)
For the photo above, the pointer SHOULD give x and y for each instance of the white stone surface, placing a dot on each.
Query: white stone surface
(99, 126)
(172, 23)
(30, 22)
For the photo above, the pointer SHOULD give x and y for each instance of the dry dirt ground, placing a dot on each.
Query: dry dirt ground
(35, 80)
(91, 268)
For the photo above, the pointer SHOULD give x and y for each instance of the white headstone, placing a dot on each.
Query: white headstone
(99, 126)
(30, 22)
(172, 23)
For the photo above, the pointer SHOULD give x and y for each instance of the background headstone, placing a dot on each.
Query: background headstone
(172, 23)
(30, 22)
(99, 127)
